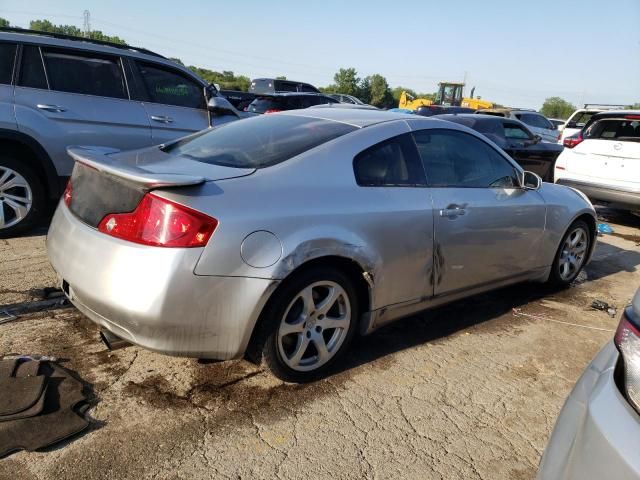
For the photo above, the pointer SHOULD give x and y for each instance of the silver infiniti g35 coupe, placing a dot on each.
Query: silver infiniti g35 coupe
(280, 237)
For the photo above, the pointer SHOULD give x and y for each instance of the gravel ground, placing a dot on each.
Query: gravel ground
(467, 391)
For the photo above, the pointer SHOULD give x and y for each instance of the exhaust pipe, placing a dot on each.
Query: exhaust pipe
(113, 342)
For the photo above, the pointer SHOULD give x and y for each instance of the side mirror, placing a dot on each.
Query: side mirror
(531, 181)
(221, 106)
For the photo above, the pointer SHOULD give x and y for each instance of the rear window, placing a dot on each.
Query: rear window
(580, 119)
(615, 129)
(259, 142)
(263, 105)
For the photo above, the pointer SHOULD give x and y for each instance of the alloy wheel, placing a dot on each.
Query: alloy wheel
(314, 326)
(574, 251)
(16, 197)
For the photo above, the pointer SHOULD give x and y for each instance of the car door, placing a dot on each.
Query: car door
(487, 228)
(75, 97)
(532, 155)
(175, 102)
(397, 221)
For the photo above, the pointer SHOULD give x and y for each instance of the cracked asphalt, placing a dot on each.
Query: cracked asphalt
(467, 391)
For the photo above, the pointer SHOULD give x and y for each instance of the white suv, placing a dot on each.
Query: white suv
(603, 160)
(580, 117)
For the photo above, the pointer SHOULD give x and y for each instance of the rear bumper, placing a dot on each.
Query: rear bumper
(150, 296)
(616, 197)
(597, 432)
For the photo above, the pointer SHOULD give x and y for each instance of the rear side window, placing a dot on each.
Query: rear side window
(515, 132)
(392, 163)
(31, 68)
(88, 74)
(615, 129)
(7, 58)
(534, 120)
(457, 159)
(258, 142)
(170, 87)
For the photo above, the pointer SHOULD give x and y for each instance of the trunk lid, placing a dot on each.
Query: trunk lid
(106, 182)
(607, 160)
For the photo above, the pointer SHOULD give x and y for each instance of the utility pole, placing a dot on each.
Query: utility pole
(87, 23)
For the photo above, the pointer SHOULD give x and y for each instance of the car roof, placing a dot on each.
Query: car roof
(291, 94)
(615, 113)
(67, 41)
(353, 116)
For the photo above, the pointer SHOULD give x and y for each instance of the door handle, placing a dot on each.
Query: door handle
(161, 119)
(51, 108)
(452, 212)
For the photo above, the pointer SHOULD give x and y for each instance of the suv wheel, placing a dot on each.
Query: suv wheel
(21, 197)
(310, 325)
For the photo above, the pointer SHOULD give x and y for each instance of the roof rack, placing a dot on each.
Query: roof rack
(63, 36)
(606, 106)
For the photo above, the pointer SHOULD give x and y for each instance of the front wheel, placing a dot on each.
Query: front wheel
(310, 324)
(572, 254)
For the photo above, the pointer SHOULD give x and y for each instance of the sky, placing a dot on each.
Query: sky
(515, 53)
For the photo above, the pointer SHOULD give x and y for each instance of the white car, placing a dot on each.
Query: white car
(603, 160)
(580, 117)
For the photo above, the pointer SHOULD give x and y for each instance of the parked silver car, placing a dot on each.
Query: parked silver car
(598, 431)
(281, 236)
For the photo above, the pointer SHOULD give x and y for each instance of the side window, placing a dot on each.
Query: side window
(7, 57)
(457, 159)
(31, 68)
(534, 120)
(88, 74)
(392, 163)
(513, 131)
(170, 87)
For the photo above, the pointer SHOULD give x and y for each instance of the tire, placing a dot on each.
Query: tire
(301, 325)
(22, 203)
(570, 259)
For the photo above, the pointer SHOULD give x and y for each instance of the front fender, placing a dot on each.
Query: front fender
(564, 206)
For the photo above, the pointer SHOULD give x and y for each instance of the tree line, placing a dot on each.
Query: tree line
(372, 89)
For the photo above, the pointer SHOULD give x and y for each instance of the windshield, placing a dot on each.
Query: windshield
(259, 142)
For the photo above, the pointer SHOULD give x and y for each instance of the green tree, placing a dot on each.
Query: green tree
(346, 81)
(177, 60)
(556, 107)
(226, 79)
(4, 23)
(281, 77)
(380, 92)
(364, 90)
(635, 106)
(47, 26)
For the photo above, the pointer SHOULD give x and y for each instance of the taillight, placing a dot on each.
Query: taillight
(162, 223)
(632, 117)
(272, 110)
(573, 140)
(68, 193)
(627, 340)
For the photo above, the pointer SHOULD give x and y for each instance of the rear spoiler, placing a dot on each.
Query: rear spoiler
(98, 159)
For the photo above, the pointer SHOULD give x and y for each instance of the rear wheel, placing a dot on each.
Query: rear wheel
(309, 325)
(21, 197)
(572, 254)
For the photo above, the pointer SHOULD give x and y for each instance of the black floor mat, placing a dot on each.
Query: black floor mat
(58, 417)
